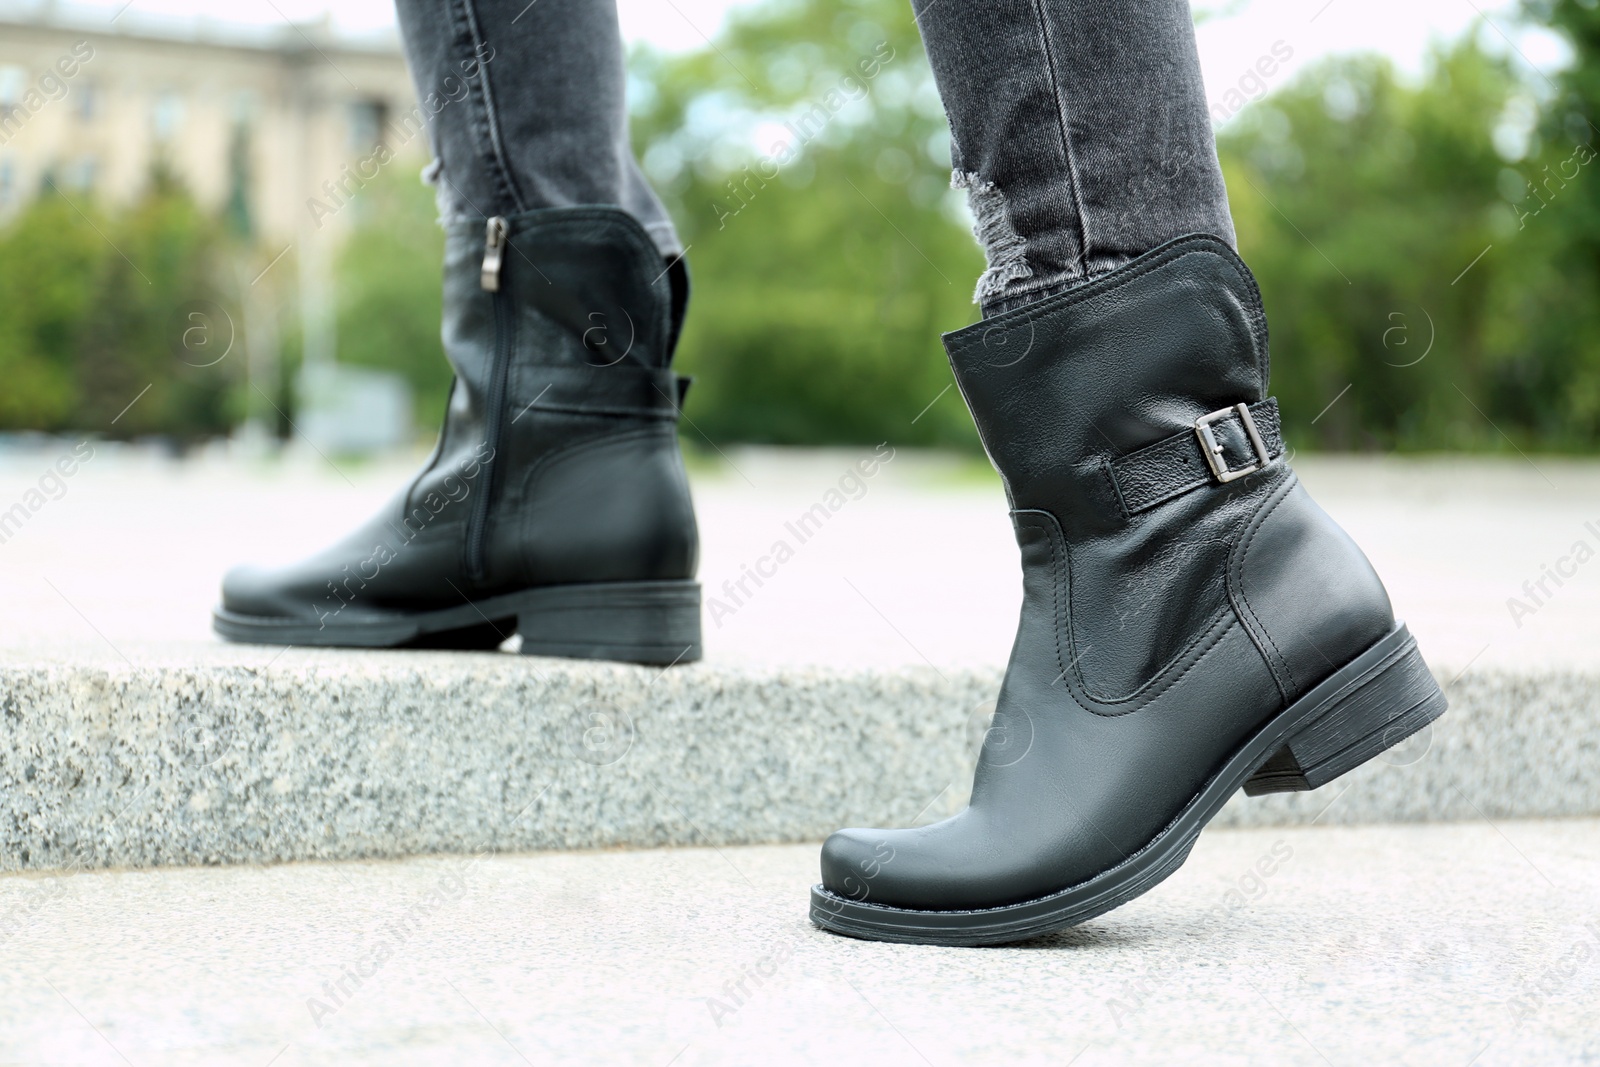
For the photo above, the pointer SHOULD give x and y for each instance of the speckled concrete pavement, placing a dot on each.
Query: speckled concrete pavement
(216, 754)
(1462, 944)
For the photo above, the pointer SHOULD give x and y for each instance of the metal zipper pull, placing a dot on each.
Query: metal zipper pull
(494, 246)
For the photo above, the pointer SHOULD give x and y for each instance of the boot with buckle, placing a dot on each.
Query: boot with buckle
(1192, 622)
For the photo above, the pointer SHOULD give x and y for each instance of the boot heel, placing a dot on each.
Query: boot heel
(640, 622)
(1376, 712)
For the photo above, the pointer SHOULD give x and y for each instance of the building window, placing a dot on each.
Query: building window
(86, 101)
(13, 81)
(367, 120)
(167, 115)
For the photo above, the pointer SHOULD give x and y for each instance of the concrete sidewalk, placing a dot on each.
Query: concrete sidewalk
(1466, 944)
(917, 567)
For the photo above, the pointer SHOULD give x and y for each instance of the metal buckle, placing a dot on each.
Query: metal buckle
(1212, 450)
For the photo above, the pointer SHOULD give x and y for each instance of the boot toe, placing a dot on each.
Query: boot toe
(255, 590)
(852, 860)
(964, 862)
(922, 868)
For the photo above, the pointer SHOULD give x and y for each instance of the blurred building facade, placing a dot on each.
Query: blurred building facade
(256, 122)
(273, 128)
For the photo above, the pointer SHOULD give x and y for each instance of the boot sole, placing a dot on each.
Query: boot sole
(636, 622)
(1380, 698)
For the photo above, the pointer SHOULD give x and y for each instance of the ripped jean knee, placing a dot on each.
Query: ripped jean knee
(452, 207)
(1004, 250)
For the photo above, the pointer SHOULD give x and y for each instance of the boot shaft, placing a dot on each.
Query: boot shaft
(560, 325)
(1062, 388)
(1151, 501)
(558, 312)
(587, 286)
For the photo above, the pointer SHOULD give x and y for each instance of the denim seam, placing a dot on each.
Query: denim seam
(1066, 140)
(499, 167)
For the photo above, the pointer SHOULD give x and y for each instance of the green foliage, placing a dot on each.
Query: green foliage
(1359, 204)
(1385, 222)
(826, 256)
(1429, 253)
(48, 260)
(388, 287)
(97, 308)
(1545, 329)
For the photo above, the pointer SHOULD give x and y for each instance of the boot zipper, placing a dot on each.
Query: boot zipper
(494, 245)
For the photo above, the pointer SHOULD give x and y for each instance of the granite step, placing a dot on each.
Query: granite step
(211, 754)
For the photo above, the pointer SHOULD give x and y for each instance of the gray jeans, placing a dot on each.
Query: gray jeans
(1079, 127)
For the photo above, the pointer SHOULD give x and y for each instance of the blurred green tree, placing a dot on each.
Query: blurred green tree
(1364, 208)
(1429, 252)
(1545, 328)
(94, 309)
(49, 260)
(388, 288)
(806, 162)
(158, 319)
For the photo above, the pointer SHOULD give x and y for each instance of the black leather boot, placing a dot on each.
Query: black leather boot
(556, 503)
(1191, 620)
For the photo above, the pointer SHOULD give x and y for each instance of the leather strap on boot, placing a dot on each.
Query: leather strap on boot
(620, 390)
(1223, 445)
